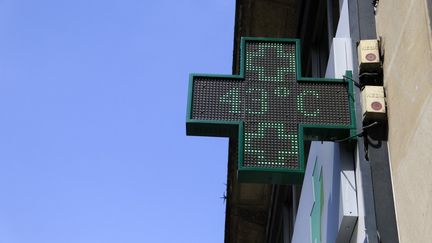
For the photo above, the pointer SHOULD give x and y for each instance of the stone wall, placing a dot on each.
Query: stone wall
(404, 26)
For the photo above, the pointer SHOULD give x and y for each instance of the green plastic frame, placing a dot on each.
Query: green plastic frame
(234, 129)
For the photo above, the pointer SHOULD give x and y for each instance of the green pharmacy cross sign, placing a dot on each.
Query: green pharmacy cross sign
(270, 110)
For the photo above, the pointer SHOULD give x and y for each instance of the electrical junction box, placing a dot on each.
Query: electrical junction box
(373, 103)
(368, 56)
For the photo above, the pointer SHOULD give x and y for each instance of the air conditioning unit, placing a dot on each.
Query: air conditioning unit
(373, 103)
(368, 56)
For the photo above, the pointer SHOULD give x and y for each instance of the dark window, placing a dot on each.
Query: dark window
(317, 26)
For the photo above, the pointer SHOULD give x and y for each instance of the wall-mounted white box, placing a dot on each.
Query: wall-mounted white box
(373, 103)
(368, 56)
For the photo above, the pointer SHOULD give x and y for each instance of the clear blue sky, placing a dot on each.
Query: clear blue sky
(92, 121)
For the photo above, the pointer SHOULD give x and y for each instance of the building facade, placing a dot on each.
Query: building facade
(372, 190)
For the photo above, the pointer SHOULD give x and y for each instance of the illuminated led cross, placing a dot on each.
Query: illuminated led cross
(270, 110)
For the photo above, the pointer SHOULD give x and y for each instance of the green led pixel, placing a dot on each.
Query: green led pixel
(301, 103)
(282, 91)
(232, 98)
(262, 99)
(264, 50)
(263, 127)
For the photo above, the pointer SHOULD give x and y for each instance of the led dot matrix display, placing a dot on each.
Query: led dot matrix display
(270, 109)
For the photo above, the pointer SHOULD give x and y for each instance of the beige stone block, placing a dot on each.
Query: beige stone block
(404, 26)
(390, 19)
(413, 184)
(407, 81)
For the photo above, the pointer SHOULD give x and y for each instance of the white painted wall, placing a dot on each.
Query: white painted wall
(343, 203)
